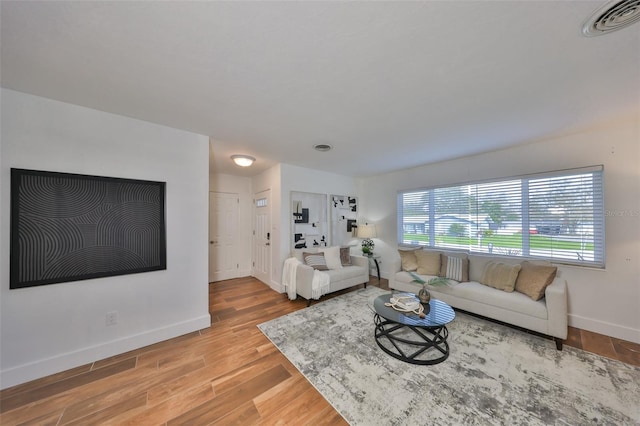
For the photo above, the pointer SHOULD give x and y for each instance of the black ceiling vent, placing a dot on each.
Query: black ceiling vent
(614, 15)
(322, 147)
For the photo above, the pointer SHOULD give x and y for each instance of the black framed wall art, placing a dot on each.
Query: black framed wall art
(70, 227)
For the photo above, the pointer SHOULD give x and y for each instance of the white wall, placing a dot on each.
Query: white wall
(51, 328)
(604, 301)
(242, 186)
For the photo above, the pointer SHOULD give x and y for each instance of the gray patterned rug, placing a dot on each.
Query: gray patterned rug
(494, 374)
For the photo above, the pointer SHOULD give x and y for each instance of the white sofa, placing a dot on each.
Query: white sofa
(547, 315)
(340, 279)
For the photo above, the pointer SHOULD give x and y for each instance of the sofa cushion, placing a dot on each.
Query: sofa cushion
(299, 253)
(533, 279)
(454, 268)
(477, 263)
(345, 256)
(408, 259)
(332, 257)
(405, 277)
(346, 273)
(500, 275)
(315, 260)
(482, 294)
(428, 262)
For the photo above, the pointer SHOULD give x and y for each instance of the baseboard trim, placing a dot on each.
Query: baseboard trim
(45, 367)
(606, 328)
(277, 287)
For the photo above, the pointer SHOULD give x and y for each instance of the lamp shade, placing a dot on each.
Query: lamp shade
(243, 160)
(366, 231)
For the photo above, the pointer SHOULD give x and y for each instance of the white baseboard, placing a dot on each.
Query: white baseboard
(606, 328)
(277, 287)
(45, 367)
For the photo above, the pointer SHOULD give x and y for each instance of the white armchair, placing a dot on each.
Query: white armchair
(340, 278)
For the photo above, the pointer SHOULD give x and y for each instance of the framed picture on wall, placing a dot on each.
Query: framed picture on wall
(344, 213)
(70, 227)
(309, 225)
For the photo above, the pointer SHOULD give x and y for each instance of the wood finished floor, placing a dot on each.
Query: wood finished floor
(226, 374)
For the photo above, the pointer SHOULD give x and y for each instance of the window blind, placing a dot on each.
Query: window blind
(557, 216)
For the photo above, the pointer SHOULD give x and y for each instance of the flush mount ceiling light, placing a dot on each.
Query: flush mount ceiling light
(322, 147)
(243, 160)
(613, 16)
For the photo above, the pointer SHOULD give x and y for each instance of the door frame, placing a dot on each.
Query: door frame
(236, 271)
(267, 277)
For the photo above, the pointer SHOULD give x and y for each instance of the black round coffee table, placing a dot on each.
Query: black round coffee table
(408, 337)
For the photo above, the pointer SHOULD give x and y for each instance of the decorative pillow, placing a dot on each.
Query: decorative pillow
(408, 259)
(454, 268)
(315, 260)
(345, 256)
(428, 262)
(533, 279)
(332, 257)
(500, 275)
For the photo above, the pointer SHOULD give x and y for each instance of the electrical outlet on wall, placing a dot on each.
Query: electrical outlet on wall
(111, 318)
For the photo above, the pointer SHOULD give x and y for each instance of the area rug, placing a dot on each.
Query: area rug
(494, 374)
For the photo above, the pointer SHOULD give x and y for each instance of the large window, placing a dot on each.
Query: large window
(557, 216)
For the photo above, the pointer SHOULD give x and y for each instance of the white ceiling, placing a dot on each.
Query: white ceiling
(390, 85)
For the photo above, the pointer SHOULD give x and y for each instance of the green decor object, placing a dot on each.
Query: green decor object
(424, 294)
(367, 246)
(367, 232)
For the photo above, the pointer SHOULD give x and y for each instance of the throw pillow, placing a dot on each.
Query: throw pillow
(332, 257)
(500, 275)
(454, 268)
(345, 256)
(533, 279)
(315, 260)
(428, 262)
(408, 259)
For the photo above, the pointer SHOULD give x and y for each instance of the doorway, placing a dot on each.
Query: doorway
(223, 236)
(262, 236)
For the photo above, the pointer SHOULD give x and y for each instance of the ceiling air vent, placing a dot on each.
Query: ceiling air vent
(614, 15)
(322, 147)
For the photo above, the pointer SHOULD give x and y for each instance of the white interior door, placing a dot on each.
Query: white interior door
(262, 237)
(223, 236)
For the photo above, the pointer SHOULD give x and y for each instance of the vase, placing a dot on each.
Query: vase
(424, 295)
